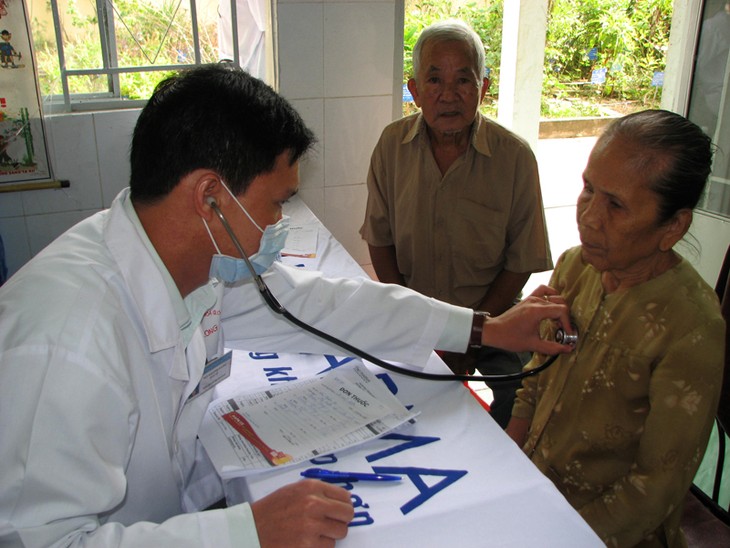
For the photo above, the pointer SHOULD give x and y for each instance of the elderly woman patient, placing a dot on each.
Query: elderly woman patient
(620, 425)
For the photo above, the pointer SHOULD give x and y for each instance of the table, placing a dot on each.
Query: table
(465, 482)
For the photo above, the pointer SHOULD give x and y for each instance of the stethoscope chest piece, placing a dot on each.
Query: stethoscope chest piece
(563, 338)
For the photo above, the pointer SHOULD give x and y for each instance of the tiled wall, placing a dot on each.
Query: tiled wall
(90, 150)
(336, 67)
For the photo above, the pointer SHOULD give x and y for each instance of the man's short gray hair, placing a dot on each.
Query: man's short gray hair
(446, 31)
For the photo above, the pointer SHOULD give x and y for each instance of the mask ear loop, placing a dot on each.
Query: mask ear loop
(210, 198)
(212, 239)
(263, 289)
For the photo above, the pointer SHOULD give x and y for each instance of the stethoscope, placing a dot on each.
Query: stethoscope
(560, 336)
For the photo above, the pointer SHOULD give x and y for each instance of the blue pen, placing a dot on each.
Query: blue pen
(333, 476)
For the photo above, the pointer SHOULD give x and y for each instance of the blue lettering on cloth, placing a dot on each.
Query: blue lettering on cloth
(361, 517)
(414, 474)
(334, 363)
(389, 382)
(410, 442)
(278, 374)
(263, 355)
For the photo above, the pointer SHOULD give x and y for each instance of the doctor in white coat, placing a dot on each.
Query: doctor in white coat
(104, 335)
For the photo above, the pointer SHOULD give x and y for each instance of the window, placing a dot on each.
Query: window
(710, 100)
(102, 54)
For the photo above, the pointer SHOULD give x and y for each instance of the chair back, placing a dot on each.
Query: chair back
(723, 292)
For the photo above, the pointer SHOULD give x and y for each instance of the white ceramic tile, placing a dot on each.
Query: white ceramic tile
(344, 213)
(561, 163)
(301, 50)
(73, 156)
(113, 131)
(352, 127)
(359, 41)
(11, 204)
(314, 198)
(15, 243)
(43, 229)
(311, 167)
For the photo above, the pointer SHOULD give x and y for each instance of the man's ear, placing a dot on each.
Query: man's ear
(675, 229)
(208, 189)
(414, 91)
(485, 88)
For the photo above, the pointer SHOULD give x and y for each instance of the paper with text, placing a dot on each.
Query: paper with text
(301, 241)
(288, 424)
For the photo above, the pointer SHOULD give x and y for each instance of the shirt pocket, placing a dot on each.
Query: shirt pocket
(478, 238)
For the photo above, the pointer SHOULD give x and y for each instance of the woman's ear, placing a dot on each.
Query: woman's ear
(675, 229)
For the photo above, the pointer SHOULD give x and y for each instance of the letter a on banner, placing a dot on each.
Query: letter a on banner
(414, 474)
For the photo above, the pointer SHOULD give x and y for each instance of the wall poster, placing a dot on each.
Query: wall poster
(23, 153)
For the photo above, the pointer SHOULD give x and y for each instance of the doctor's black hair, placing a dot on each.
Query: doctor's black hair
(215, 117)
(674, 154)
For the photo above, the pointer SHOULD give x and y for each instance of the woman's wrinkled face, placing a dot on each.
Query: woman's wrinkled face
(617, 212)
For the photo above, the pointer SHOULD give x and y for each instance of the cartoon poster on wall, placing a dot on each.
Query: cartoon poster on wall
(23, 155)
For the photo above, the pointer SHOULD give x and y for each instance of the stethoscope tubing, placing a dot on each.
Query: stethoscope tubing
(279, 309)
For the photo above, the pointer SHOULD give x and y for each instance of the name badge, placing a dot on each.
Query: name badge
(215, 371)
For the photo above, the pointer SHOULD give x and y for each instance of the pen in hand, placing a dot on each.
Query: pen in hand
(334, 476)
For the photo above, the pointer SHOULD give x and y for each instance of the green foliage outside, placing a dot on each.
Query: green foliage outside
(485, 17)
(146, 34)
(628, 38)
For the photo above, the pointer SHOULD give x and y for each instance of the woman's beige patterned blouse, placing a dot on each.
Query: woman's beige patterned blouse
(620, 424)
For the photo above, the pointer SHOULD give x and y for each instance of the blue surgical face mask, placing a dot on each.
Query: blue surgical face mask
(231, 269)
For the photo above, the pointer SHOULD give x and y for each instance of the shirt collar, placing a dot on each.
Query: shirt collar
(188, 311)
(478, 137)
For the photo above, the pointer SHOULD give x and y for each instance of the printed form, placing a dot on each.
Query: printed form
(291, 423)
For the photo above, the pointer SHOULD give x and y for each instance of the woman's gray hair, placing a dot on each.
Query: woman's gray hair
(674, 155)
(447, 31)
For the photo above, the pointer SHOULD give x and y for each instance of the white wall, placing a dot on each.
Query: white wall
(336, 62)
(91, 151)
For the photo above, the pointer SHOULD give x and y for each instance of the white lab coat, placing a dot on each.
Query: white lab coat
(97, 439)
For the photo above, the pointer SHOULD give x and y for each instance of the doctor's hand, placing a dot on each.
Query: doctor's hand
(308, 513)
(518, 329)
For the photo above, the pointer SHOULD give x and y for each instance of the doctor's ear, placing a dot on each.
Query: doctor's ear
(207, 194)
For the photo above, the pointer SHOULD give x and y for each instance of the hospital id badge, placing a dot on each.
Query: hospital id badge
(215, 371)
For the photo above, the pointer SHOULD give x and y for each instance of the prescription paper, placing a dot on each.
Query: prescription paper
(301, 241)
(291, 423)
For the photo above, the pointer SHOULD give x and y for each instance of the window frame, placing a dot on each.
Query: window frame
(112, 99)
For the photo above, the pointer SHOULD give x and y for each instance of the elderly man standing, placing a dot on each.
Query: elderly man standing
(454, 206)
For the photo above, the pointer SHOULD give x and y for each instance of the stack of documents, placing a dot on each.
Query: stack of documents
(297, 421)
